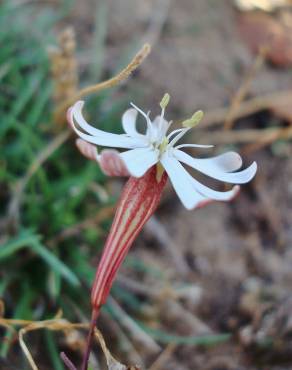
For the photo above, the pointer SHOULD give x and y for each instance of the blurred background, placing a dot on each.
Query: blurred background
(206, 289)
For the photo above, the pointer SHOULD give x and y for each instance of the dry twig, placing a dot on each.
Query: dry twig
(243, 89)
(123, 75)
(163, 357)
(58, 324)
(257, 137)
(246, 108)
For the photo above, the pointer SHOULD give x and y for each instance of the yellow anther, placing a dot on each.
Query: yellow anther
(194, 120)
(164, 101)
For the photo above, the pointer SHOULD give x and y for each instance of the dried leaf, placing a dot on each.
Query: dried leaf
(261, 30)
(58, 324)
(112, 363)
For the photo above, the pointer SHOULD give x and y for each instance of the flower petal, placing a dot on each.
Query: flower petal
(88, 150)
(188, 188)
(159, 128)
(158, 120)
(194, 146)
(112, 164)
(99, 137)
(129, 122)
(227, 162)
(219, 166)
(139, 160)
(180, 180)
(214, 194)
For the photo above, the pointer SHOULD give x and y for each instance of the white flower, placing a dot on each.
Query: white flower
(156, 146)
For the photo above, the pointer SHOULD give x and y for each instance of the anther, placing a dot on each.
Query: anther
(194, 120)
(164, 101)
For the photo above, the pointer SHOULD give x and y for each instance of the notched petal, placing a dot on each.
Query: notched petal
(112, 164)
(219, 167)
(139, 160)
(129, 122)
(99, 137)
(205, 202)
(88, 150)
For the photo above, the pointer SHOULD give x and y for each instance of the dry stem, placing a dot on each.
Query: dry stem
(248, 107)
(163, 357)
(257, 137)
(123, 75)
(243, 89)
(56, 324)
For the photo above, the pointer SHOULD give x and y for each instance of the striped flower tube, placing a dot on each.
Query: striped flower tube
(138, 201)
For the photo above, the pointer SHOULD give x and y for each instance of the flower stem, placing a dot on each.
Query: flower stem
(90, 336)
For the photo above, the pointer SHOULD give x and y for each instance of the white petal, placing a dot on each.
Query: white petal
(215, 167)
(188, 189)
(194, 146)
(214, 194)
(227, 162)
(180, 180)
(161, 124)
(78, 117)
(139, 160)
(159, 128)
(129, 122)
(160, 120)
(100, 137)
(155, 130)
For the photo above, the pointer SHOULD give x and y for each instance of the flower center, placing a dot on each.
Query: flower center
(162, 147)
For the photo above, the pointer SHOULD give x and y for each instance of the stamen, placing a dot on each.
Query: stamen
(146, 116)
(139, 110)
(163, 145)
(194, 120)
(164, 101)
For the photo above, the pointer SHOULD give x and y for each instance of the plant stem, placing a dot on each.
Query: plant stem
(90, 336)
(67, 362)
(124, 74)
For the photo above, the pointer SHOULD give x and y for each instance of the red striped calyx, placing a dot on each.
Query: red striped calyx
(138, 201)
